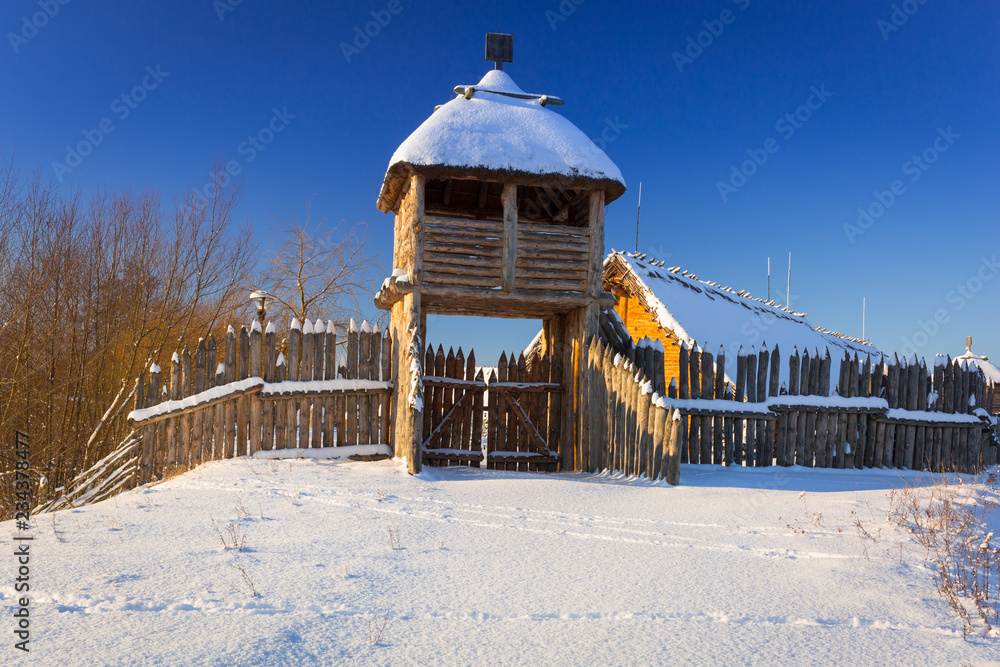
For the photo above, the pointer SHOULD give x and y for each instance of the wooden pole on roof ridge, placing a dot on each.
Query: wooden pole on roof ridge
(638, 211)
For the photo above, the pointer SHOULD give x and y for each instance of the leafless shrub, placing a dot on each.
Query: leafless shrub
(248, 589)
(241, 509)
(376, 627)
(951, 521)
(394, 543)
(232, 537)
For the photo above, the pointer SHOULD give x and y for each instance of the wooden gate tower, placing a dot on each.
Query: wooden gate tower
(499, 212)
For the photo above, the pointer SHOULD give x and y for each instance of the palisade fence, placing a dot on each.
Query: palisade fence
(894, 414)
(246, 396)
(631, 430)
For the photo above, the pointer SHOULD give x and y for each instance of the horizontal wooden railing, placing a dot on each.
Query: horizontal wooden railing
(552, 257)
(469, 252)
(462, 252)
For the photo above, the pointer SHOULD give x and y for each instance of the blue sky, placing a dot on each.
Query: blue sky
(693, 91)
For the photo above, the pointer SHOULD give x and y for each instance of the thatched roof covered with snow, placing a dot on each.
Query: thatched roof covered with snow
(712, 316)
(503, 135)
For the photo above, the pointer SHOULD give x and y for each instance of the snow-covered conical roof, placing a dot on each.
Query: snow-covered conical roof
(989, 369)
(495, 136)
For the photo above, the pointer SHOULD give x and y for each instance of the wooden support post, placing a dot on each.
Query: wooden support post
(509, 248)
(254, 405)
(408, 399)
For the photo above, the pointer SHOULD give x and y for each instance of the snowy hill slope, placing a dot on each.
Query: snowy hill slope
(483, 567)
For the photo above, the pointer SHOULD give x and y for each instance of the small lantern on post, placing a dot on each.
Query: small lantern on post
(261, 300)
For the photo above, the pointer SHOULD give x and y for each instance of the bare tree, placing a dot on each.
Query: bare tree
(317, 272)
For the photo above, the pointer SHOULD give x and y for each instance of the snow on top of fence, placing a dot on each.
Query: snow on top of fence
(330, 328)
(365, 328)
(221, 368)
(307, 327)
(280, 360)
(340, 384)
(231, 330)
(919, 415)
(353, 326)
(325, 453)
(255, 326)
(175, 358)
(154, 367)
(295, 324)
(270, 328)
(206, 396)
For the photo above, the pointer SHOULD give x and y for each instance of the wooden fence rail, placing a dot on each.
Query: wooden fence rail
(246, 396)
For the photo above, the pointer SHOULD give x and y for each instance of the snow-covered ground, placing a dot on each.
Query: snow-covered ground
(480, 567)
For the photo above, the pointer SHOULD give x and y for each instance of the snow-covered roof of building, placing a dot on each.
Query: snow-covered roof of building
(989, 369)
(710, 315)
(499, 132)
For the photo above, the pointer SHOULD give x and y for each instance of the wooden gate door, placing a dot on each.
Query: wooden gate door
(520, 405)
(453, 409)
(522, 416)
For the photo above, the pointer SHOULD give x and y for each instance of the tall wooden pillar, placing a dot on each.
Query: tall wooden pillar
(408, 397)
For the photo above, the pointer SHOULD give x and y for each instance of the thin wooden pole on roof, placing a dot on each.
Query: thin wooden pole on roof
(638, 210)
(788, 289)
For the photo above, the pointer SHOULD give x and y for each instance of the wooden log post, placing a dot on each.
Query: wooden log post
(765, 445)
(707, 391)
(719, 421)
(374, 373)
(508, 267)
(923, 445)
(270, 358)
(682, 392)
(621, 408)
(642, 424)
(385, 418)
(788, 417)
(750, 447)
(172, 424)
(364, 373)
(891, 457)
(776, 453)
(185, 458)
(353, 403)
(211, 354)
(330, 373)
(198, 417)
(659, 418)
(802, 436)
(675, 431)
(243, 403)
(229, 408)
(316, 413)
(694, 433)
(408, 394)
(306, 364)
(254, 406)
(739, 455)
